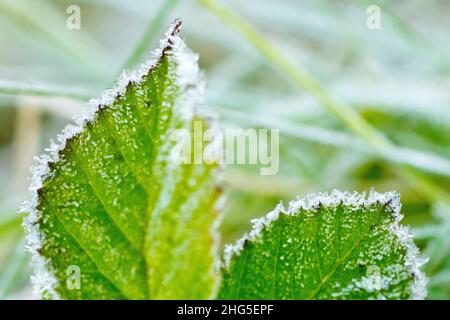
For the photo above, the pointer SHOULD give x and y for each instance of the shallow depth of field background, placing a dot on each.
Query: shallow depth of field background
(396, 77)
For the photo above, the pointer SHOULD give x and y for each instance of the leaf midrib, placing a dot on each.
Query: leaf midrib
(104, 206)
(139, 249)
(338, 264)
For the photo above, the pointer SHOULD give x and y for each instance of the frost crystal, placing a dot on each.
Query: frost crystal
(355, 200)
(188, 77)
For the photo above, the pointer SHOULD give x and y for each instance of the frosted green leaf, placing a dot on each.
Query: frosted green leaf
(110, 205)
(338, 246)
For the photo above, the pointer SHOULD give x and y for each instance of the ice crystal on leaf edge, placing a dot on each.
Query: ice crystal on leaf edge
(390, 200)
(187, 76)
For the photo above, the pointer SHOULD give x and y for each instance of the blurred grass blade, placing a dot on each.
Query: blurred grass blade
(299, 76)
(11, 274)
(150, 33)
(349, 116)
(9, 219)
(10, 223)
(42, 18)
(113, 216)
(338, 246)
(418, 159)
(40, 90)
(406, 30)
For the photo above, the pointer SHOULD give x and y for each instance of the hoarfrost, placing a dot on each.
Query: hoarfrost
(191, 87)
(354, 200)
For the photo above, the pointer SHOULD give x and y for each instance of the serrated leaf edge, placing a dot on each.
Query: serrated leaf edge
(191, 85)
(355, 200)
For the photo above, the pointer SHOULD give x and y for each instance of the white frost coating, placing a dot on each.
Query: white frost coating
(353, 200)
(191, 88)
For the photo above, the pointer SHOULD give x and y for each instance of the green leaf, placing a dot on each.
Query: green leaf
(111, 204)
(338, 246)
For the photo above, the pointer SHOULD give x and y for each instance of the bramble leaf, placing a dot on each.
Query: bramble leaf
(338, 246)
(113, 216)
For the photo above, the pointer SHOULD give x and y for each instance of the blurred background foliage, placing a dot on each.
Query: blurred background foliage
(396, 78)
